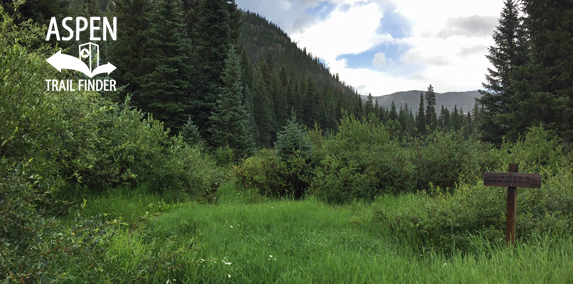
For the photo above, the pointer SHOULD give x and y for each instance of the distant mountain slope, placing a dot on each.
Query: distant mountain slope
(260, 38)
(463, 100)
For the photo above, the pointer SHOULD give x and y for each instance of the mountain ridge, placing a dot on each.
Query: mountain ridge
(464, 100)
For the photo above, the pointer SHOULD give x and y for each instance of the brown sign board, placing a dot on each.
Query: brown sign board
(512, 179)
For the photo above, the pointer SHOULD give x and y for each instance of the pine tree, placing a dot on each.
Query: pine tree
(213, 42)
(165, 88)
(508, 53)
(358, 110)
(230, 121)
(369, 104)
(456, 119)
(393, 114)
(235, 21)
(445, 120)
(403, 120)
(431, 118)
(421, 117)
(311, 105)
(190, 134)
(263, 111)
(127, 52)
(377, 110)
(543, 88)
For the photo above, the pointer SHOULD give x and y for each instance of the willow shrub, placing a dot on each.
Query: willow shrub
(450, 220)
(360, 162)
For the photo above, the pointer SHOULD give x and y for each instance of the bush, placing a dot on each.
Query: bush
(444, 159)
(450, 221)
(294, 148)
(292, 141)
(264, 172)
(360, 162)
(48, 139)
(537, 150)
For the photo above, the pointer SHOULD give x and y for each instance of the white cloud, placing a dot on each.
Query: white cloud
(379, 59)
(447, 44)
(352, 31)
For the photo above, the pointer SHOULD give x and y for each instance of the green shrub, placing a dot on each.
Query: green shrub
(444, 159)
(49, 139)
(190, 134)
(537, 150)
(224, 156)
(294, 148)
(292, 141)
(263, 172)
(446, 221)
(360, 162)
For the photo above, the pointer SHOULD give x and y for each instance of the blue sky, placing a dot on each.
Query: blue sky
(385, 46)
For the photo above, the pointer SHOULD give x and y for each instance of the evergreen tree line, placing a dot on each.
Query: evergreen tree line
(530, 82)
(406, 123)
(181, 61)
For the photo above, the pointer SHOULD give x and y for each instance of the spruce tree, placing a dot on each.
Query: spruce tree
(358, 110)
(311, 104)
(431, 118)
(165, 87)
(263, 111)
(377, 110)
(213, 44)
(235, 20)
(544, 88)
(421, 117)
(509, 52)
(393, 116)
(127, 52)
(369, 104)
(445, 119)
(190, 134)
(456, 119)
(230, 121)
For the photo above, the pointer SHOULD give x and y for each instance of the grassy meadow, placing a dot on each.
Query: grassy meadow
(245, 238)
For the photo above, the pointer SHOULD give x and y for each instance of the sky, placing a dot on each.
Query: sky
(385, 46)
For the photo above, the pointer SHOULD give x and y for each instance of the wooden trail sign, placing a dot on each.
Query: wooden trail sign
(512, 180)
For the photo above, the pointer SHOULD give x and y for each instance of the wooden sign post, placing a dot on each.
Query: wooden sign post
(512, 180)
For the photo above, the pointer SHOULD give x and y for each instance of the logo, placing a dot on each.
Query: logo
(88, 60)
(88, 52)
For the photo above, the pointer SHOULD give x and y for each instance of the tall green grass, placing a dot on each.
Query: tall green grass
(246, 239)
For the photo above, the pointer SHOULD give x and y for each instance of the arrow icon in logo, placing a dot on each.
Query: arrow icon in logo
(63, 61)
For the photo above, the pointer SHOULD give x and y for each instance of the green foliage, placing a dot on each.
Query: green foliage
(212, 48)
(52, 139)
(264, 173)
(360, 162)
(538, 150)
(127, 52)
(224, 156)
(421, 117)
(274, 176)
(444, 159)
(165, 89)
(532, 59)
(190, 134)
(450, 221)
(431, 117)
(230, 121)
(293, 141)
